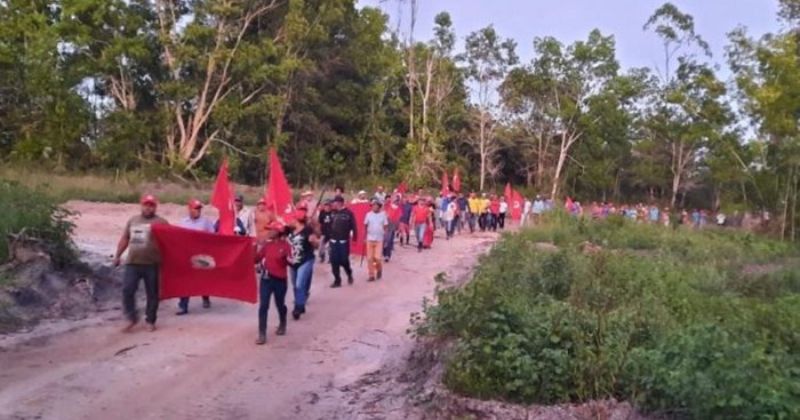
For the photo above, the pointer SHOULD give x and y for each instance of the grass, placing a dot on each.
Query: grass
(667, 319)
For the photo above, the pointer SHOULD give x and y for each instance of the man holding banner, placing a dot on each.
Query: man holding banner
(195, 221)
(141, 264)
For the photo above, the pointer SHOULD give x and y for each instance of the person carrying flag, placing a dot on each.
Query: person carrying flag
(376, 223)
(343, 228)
(273, 254)
(303, 241)
(195, 221)
(141, 263)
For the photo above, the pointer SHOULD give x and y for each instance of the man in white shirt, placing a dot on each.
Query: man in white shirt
(195, 221)
(376, 224)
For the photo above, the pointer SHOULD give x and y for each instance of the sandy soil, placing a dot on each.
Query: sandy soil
(205, 365)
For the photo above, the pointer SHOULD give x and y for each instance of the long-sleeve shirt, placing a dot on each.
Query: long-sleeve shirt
(343, 223)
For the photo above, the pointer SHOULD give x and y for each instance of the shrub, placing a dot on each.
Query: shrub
(36, 216)
(662, 318)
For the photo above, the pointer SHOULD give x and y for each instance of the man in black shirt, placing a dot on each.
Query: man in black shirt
(342, 228)
(325, 220)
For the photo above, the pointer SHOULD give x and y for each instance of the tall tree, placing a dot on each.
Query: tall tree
(488, 59)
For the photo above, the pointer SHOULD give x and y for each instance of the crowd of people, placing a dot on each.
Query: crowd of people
(288, 245)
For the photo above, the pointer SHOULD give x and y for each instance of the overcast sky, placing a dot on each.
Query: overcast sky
(569, 20)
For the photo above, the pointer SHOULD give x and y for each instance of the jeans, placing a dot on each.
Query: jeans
(419, 232)
(450, 227)
(482, 221)
(183, 304)
(501, 220)
(340, 258)
(130, 284)
(472, 218)
(270, 286)
(301, 282)
(374, 249)
(388, 241)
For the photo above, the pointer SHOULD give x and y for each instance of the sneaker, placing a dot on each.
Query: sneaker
(151, 327)
(336, 285)
(281, 330)
(350, 280)
(182, 312)
(296, 314)
(386, 259)
(380, 274)
(371, 278)
(128, 328)
(206, 304)
(262, 339)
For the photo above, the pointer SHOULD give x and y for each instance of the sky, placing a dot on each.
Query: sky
(571, 20)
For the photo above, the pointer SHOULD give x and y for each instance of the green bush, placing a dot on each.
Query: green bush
(663, 318)
(38, 217)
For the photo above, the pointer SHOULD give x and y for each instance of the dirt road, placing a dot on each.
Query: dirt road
(205, 365)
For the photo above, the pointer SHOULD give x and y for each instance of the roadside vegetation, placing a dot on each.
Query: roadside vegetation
(688, 324)
(32, 216)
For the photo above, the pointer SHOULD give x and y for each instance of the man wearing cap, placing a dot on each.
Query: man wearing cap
(343, 228)
(393, 211)
(422, 216)
(474, 210)
(306, 202)
(360, 198)
(376, 224)
(406, 208)
(262, 217)
(141, 263)
(195, 221)
(273, 254)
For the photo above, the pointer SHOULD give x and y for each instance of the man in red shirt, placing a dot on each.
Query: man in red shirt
(421, 216)
(494, 213)
(273, 255)
(393, 212)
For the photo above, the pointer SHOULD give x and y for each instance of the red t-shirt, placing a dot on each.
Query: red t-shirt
(274, 256)
(421, 214)
(393, 212)
(494, 207)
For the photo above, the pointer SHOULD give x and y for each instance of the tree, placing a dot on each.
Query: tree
(488, 59)
(561, 95)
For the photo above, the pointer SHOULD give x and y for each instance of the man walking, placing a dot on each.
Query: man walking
(195, 221)
(422, 216)
(449, 215)
(406, 208)
(141, 264)
(376, 224)
(393, 212)
(343, 228)
(274, 256)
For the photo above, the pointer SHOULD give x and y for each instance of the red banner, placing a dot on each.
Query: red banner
(222, 199)
(456, 181)
(197, 263)
(278, 194)
(358, 246)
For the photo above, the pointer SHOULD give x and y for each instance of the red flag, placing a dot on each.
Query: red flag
(358, 246)
(508, 194)
(198, 263)
(445, 183)
(402, 188)
(278, 194)
(569, 205)
(517, 202)
(222, 199)
(456, 181)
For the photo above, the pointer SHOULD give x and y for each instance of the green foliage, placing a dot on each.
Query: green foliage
(678, 322)
(36, 216)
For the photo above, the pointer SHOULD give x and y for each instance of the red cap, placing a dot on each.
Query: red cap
(149, 199)
(195, 204)
(299, 214)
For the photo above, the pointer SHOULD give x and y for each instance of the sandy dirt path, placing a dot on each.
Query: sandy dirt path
(205, 365)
